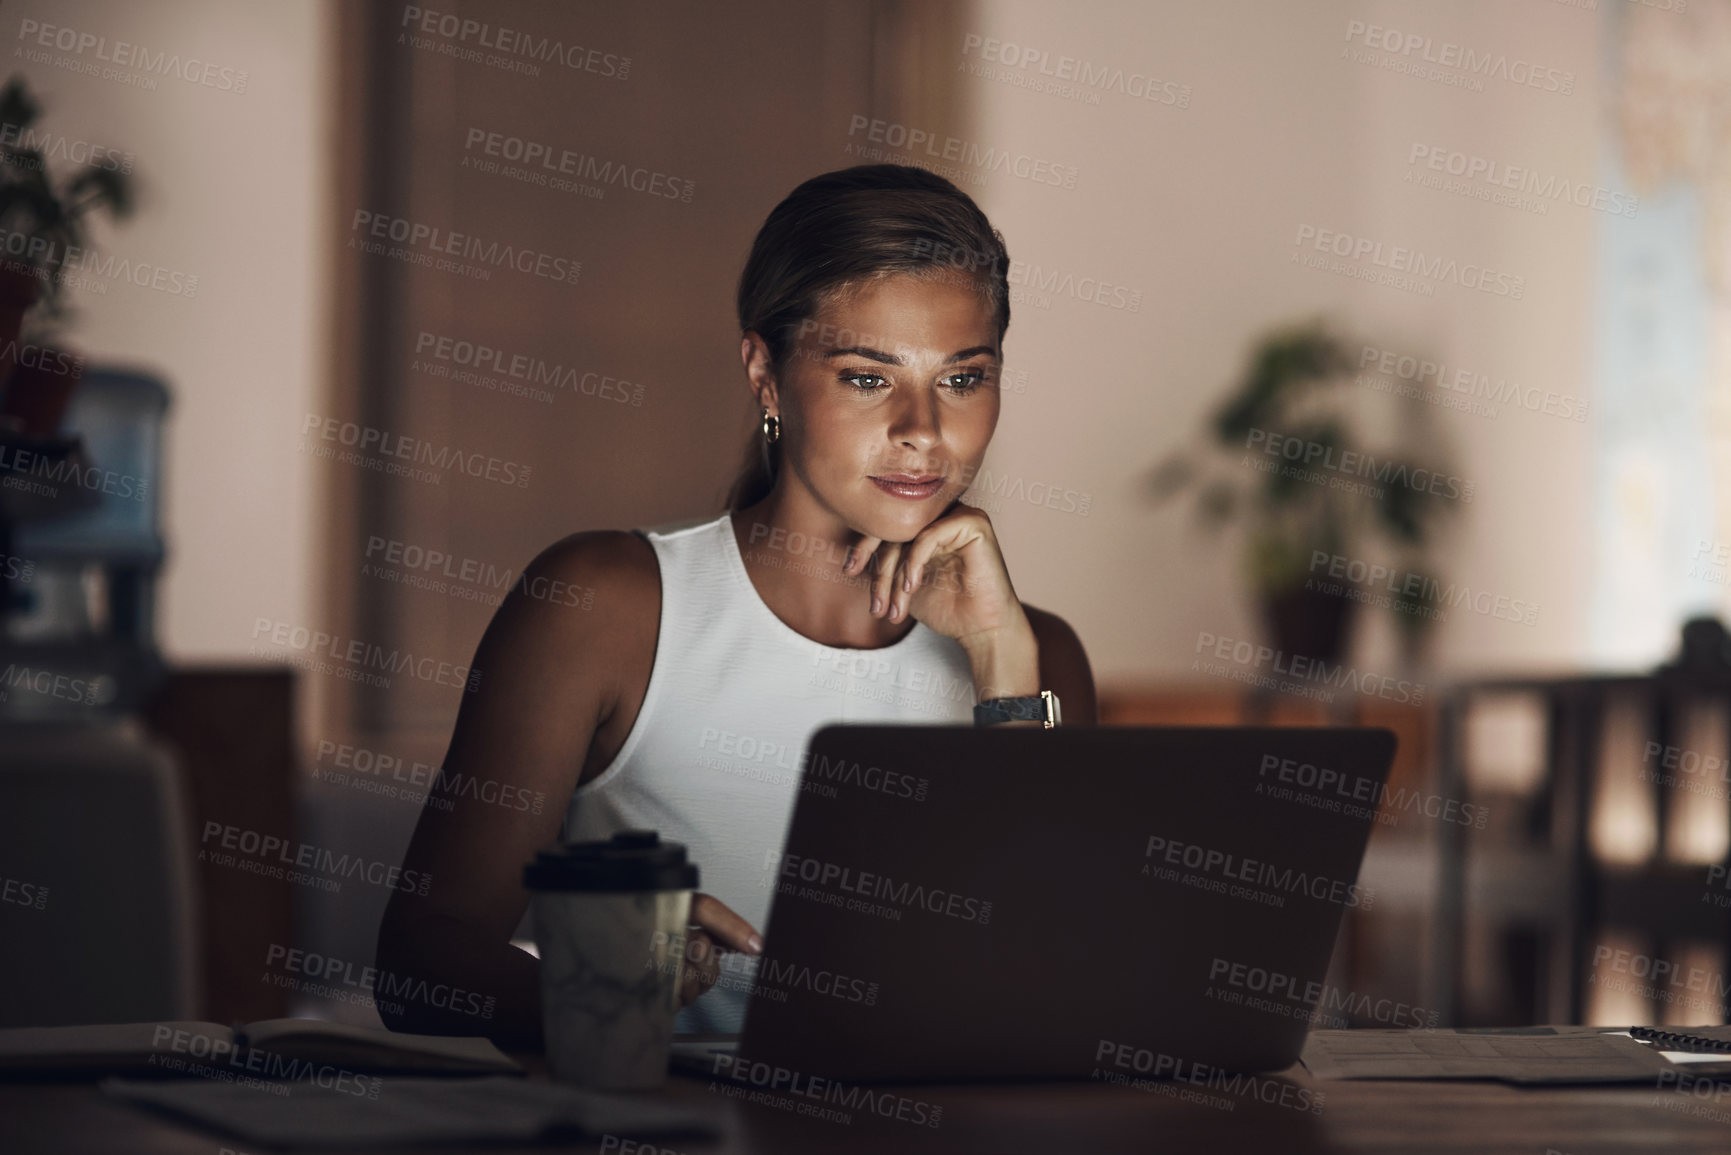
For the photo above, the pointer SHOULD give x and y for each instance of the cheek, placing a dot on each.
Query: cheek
(834, 443)
(971, 429)
(827, 431)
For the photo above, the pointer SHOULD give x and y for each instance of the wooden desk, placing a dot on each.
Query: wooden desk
(76, 1119)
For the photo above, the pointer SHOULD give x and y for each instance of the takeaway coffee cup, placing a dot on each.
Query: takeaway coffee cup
(610, 918)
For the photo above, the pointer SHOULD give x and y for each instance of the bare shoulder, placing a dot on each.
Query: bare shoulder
(1064, 667)
(615, 560)
(594, 595)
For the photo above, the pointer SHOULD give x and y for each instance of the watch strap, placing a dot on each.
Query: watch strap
(1043, 708)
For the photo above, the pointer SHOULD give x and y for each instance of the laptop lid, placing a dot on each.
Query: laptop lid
(958, 903)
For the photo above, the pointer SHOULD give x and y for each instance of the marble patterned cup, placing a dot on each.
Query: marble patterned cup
(610, 918)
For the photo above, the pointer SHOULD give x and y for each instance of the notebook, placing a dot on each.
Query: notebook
(191, 1048)
(1522, 1055)
(420, 1112)
(1696, 1040)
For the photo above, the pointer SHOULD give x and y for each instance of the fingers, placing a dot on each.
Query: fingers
(724, 925)
(860, 554)
(949, 536)
(884, 580)
(702, 968)
(715, 927)
(899, 568)
(920, 552)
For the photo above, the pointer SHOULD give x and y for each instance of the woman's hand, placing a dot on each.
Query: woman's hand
(715, 928)
(952, 577)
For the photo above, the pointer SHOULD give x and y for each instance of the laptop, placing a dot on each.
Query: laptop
(963, 903)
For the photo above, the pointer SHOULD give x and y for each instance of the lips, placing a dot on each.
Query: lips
(915, 487)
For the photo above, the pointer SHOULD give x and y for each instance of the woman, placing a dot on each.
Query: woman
(846, 582)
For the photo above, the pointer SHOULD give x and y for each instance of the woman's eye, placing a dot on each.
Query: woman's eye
(956, 382)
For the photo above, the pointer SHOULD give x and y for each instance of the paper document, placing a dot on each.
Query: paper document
(413, 1112)
(1514, 1055)
(270, 1048)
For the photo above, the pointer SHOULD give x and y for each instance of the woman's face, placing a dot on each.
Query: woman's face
(888, 399)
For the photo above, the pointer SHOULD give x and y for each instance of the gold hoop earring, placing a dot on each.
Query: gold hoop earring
(771, 428)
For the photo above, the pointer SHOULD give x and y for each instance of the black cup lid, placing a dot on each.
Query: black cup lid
(630, 860)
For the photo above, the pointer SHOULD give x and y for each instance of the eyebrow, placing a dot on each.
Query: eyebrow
(883, 358)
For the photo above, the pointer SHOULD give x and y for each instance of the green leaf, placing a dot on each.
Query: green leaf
(17, 106)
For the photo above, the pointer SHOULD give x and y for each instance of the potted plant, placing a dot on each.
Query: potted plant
(42, 227)
(1286, 463)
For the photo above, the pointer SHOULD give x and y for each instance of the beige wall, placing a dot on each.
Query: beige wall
(1198, 208)
(232, 189)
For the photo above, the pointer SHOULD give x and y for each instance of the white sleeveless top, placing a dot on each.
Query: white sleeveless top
(714, 756)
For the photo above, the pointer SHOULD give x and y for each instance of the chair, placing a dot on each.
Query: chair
(1553, 882)
(96, 899)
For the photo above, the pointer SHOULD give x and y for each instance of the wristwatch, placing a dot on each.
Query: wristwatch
(1040, 709)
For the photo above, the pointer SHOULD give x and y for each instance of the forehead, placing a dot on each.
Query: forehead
(936, 314)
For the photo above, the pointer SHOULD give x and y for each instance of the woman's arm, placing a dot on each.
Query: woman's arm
(549, 679)
(1064, 667)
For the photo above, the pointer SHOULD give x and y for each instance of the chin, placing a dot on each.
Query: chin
(901, 521)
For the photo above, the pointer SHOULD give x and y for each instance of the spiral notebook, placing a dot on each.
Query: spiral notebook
(1697, 1040)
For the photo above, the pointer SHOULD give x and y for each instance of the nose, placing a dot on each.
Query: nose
(915, 421)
